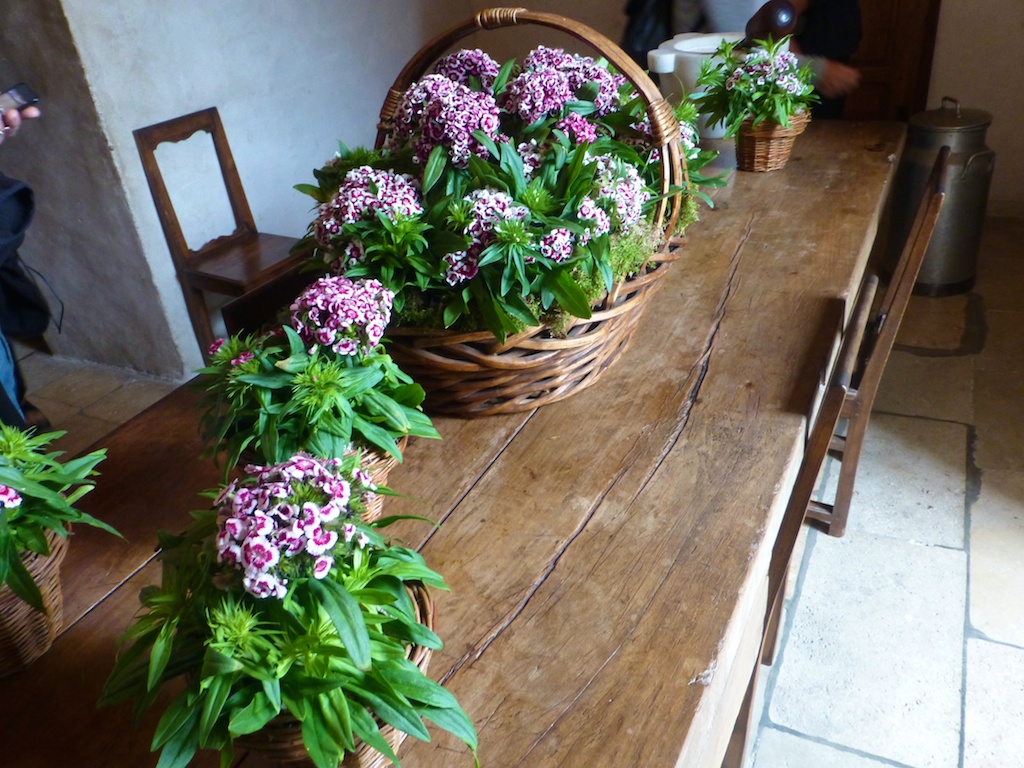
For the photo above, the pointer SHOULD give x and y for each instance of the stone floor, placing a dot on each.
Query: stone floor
(903, 642)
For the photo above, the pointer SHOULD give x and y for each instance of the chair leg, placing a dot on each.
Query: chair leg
(857, 426)
(198, 313)
(736, 752)
(772, 630)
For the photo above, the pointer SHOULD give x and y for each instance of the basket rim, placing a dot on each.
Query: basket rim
(664, 126)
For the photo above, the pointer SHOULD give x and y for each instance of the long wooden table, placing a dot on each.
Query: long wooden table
(607, 555)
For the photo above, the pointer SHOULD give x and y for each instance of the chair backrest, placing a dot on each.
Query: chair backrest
(819, 438)
(179, 129)
(886, 323)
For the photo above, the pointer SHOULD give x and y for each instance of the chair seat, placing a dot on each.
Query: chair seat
(237, 264)
(255, 271)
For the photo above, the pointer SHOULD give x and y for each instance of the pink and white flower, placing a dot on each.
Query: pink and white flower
(347, 316)
(290, 522)
(9, 497)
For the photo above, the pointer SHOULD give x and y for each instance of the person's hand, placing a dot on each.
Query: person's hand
(11, 121)
(837, 79)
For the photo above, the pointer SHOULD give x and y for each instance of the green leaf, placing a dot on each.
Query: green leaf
(216, 664)
(568, 294)
(391, 707)
(21, 583)
(347, 618)
(335, 709)
(377, 436)
(260, 711)
(366, 728)
(455, 721)
(161, 653)
(434, 168)
(213, 705)
(308, 189)
(180, 714)
(322, 749)
(180, 748)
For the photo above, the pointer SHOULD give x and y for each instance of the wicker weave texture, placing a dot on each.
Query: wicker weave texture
(473, 374)
(26, 634)
(768, 146)
(470, 375)
(378, 466)
(280, 741)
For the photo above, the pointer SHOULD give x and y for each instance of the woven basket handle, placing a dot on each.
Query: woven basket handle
(664, 126)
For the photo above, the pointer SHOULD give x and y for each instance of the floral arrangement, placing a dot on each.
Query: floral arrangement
(504, 196)
(320, 383)
(280, 601)
(37, 497)
(763, 83)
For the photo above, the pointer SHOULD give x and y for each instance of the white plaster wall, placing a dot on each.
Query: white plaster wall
(289, 78)
(978, 61)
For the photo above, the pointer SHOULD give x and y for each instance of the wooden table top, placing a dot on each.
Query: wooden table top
(606, 554)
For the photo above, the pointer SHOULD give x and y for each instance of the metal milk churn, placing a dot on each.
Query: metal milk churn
(951, 262)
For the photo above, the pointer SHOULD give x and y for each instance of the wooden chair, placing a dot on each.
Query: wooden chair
(816, 449)
(878, 342)
(258, 270)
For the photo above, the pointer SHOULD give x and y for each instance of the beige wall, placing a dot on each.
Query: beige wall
(978, 61)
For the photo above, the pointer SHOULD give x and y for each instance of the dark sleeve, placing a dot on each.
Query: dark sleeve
(830, 28)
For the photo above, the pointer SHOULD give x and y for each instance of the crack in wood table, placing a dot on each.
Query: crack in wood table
(607, 554)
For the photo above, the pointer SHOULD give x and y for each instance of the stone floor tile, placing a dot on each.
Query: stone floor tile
(873, 657)
(1001, 263)
(937, 324)
(1003, 350)
(82, 432)
(58, 413)
(778, 749)
(998, 416)
(39, 369)
(128, 400)
(993, 736)
(997, 557)
(932, 387)
(911, 481)
(84, 385)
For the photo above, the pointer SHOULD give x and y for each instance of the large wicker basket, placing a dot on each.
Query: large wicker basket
(473, 374)
(768, 146)
(26, 634)
(280, 741)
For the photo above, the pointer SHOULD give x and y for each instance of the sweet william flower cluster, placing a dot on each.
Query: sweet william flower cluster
(499, 196)
(289, 522)
(764, 83)
(349, 317)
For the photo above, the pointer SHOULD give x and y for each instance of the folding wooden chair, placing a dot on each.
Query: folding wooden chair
(258, 270)
(815, 451)
(879, 338)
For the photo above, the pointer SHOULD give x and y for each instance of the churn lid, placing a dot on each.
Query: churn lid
(951, 117)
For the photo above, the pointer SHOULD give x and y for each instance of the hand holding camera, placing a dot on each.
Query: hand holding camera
(16, 104)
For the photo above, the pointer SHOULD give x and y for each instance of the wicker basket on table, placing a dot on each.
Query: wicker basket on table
(475, 374)
(280, 741)
(768, 146)
(25, 633)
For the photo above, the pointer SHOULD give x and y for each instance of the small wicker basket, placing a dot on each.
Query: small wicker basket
(280, 741)
(26, 634)
(768, 146)
(378, 466)
(474, 374)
